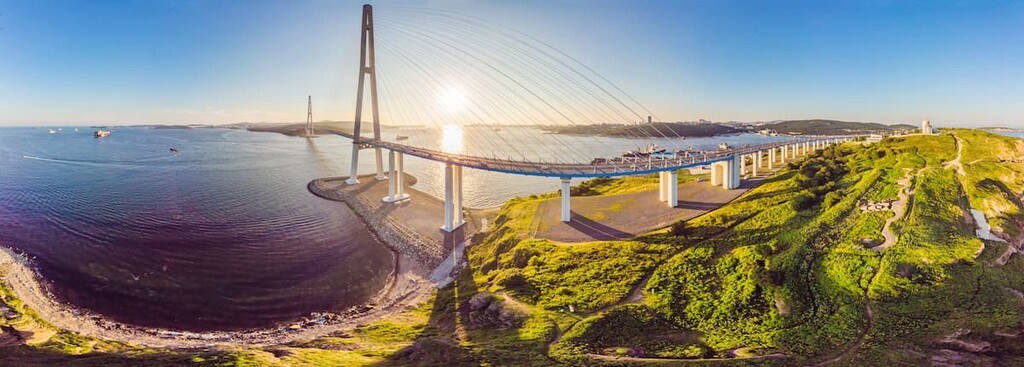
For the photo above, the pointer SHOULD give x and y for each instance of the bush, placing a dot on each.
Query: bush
(832, 198)
(510, 278)
(804, 201)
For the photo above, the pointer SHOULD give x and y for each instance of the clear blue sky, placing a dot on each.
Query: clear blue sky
(958, 62)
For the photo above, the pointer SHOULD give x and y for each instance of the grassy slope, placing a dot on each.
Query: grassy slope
(780, 270)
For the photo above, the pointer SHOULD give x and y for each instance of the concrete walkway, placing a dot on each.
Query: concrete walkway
(420, 218)
(618, 217)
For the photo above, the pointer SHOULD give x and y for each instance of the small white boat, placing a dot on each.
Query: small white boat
(401, 137)
(51, 131)
(101, 134)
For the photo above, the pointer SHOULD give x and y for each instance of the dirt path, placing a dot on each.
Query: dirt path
(1013, 248)
(956, 162)
(863, 335)
(899, 208)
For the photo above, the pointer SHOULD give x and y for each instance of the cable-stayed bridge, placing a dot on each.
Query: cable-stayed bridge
(528, 85)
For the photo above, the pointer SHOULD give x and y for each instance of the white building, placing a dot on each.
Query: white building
(926, 127)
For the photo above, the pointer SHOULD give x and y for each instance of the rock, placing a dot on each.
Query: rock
(480, 301)
(8, 339)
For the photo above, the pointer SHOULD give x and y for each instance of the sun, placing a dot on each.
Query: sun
(451, 99)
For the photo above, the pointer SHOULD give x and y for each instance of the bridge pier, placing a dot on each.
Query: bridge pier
(668, 187)
(673, 188)
(771, 158)
(735, 179)
(452, 197)
(726, 173)
(396, 178)
(663, 189)
(566, 200)
(717, 173)
(756, 164)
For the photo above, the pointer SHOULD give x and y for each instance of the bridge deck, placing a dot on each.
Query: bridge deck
(610, 169)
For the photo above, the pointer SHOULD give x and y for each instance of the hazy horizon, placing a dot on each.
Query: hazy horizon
(194, 62)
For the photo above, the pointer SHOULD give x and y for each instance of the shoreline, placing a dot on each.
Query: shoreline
(412, 282)
(407, 289)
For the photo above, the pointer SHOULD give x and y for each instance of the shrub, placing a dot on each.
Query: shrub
(804, 201)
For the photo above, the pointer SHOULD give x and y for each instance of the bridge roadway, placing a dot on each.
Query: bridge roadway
(629, 167)
(727, 167)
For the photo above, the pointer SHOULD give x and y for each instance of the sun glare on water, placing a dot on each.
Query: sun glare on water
(451, 138)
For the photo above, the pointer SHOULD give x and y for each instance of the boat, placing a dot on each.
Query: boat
(401, 137)
(51, 131)
(101, 133)
(651, 150)
(723, 146)
(76, 129)
(173, 149)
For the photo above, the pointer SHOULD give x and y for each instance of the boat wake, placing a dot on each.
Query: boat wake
(138, 163)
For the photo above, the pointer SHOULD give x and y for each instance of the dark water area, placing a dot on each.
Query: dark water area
(221, 236)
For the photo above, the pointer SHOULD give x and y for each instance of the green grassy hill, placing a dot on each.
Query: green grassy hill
(787, 274)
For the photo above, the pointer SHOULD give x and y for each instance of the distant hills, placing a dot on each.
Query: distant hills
(1000, 129)
(298, 129)
(656, 129)
(689, 129)
(831, 127)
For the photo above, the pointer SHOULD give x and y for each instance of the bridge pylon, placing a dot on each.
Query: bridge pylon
(309, 117)
(366, 67)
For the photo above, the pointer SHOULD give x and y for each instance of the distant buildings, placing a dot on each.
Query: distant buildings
(926, 127)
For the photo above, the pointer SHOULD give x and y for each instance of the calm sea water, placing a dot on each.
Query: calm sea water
(224, 234)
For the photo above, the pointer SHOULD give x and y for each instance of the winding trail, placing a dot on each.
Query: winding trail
(955, 163)
(899, 208)
(863, 335)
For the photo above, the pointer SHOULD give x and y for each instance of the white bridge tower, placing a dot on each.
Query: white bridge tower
(366, 67)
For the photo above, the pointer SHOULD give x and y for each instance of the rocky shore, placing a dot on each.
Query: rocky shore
(409, 288)
(422, 265)
(396, 235)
